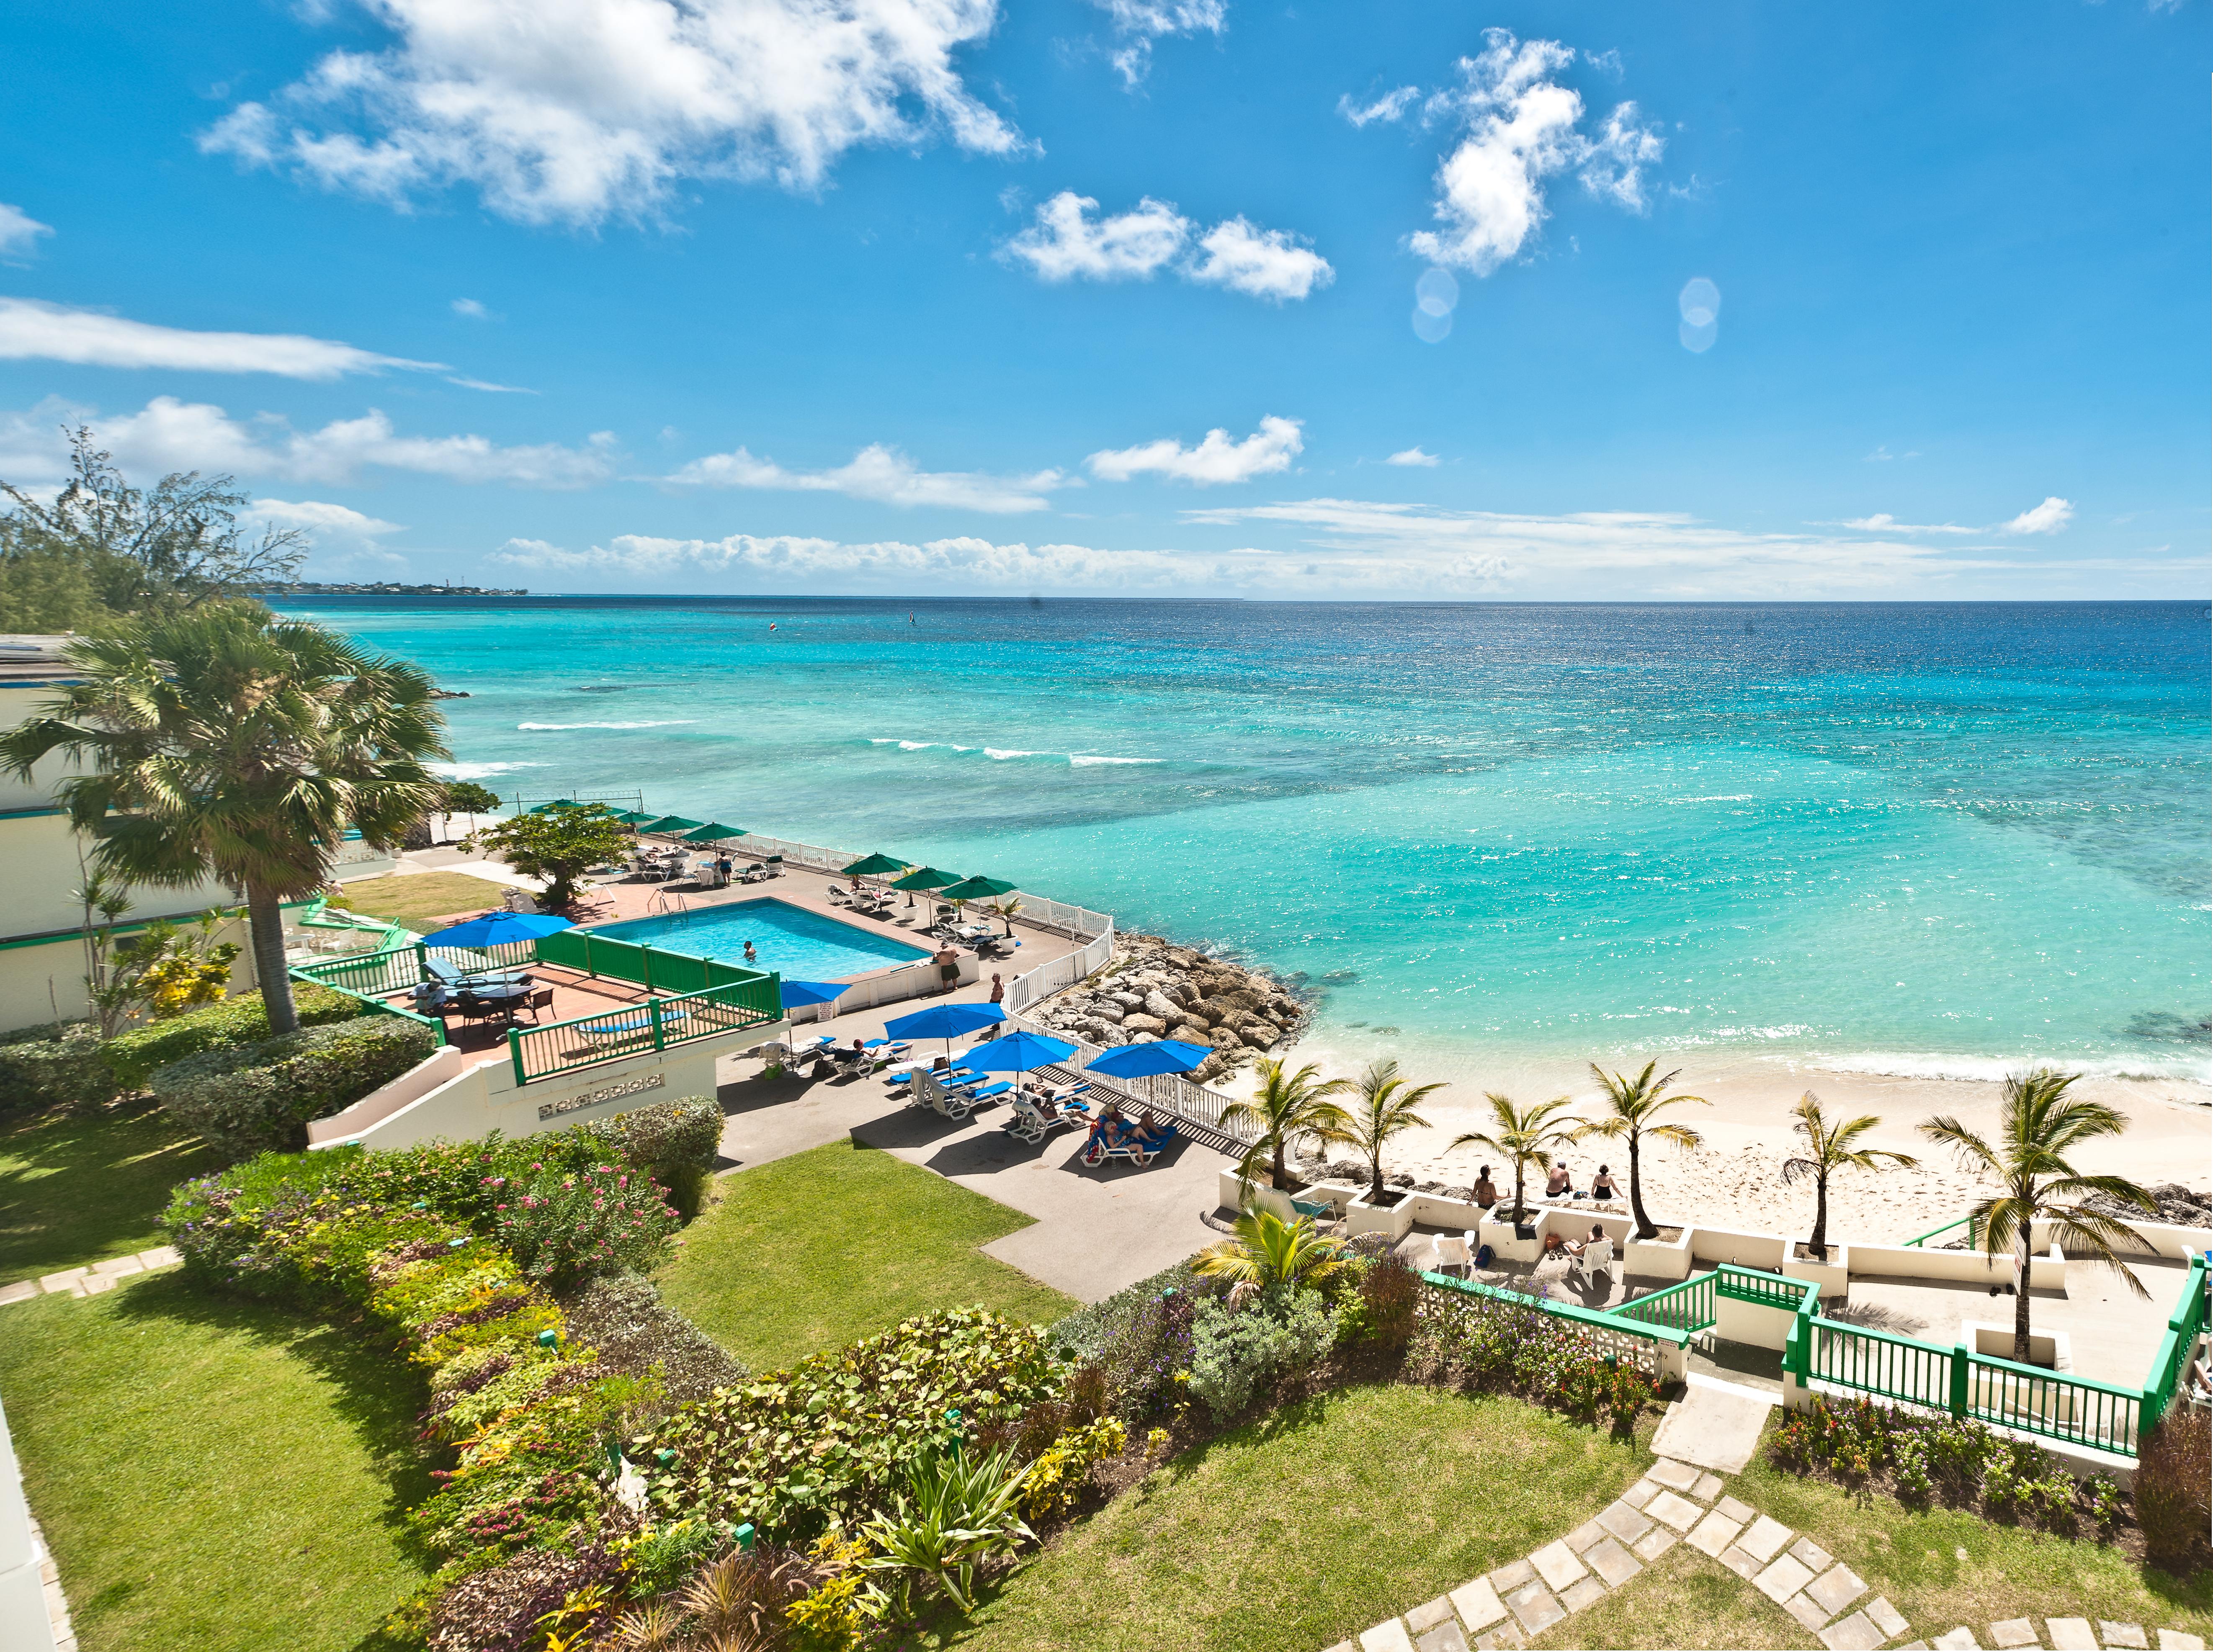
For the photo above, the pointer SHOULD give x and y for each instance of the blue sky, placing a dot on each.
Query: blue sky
(601, 294)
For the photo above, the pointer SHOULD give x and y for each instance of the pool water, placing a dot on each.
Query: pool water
(797, 944)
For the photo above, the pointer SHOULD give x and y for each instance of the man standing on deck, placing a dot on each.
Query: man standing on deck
(949, 964)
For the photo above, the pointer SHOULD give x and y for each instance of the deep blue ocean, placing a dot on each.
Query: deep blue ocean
(1935, 839)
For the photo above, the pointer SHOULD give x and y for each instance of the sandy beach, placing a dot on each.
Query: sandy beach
(1734, 1178)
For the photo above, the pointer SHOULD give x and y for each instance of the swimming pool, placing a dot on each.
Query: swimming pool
(799, 945)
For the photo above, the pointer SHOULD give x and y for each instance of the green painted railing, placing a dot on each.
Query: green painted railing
(1880, 1362)
(2176, 1348)
(356, 978)
(1799, 1297)
(1921, 1241)
(2056, 1405)
(541, 1052)
(1687, 1307)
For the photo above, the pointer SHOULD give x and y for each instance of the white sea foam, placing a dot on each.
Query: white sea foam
(1882, 1063)
(477, 771)
(656, 722)
(999, 756)
(1084, 760)
(916, 744)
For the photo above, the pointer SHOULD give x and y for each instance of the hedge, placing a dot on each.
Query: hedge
(250, 1098)
(135, 1055)
(46, 1072)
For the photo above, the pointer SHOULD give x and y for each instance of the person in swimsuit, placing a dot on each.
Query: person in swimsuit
(1560, 1181)
(1486, 1190)
(1602, 1185)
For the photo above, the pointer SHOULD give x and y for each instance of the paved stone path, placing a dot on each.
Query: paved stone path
(91, 1280)
(1680, 1502)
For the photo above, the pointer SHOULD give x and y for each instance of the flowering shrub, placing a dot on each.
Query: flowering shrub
(1057, 1480)
(829, 1438)
(600, 1219)
(1483, 1341)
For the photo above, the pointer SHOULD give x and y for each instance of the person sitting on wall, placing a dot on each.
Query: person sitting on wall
(1602, 1187)
(1486, 1190)
(1559, 1180)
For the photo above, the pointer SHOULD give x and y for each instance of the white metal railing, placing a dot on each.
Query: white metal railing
(1032, 985)
(1196, 1108)
(1077, 923)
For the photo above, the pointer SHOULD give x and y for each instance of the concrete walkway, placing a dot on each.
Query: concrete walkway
(1096, 1231)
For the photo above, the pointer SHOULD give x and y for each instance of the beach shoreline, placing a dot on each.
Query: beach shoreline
(1734, 1178)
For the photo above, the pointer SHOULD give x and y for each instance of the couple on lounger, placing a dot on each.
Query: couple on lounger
(1115, 1129)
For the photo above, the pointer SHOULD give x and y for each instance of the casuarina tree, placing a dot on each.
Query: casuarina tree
(223, 742)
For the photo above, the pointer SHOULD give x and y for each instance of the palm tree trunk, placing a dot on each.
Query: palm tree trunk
(2020, 1300)
(1276, 1165)
(1518, 1171)
(265, 918)
(1646, 1228)
(1375, 1179)
(1818, 1245)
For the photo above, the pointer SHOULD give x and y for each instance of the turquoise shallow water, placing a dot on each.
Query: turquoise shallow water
(1919, 840)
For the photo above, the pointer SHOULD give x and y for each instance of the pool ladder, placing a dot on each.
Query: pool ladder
(667, 903)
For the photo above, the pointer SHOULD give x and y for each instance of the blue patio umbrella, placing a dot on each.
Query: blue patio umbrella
(946, 1020)
(799, 994)
(1018, 1052)
(498, 929)
(1144, 1060)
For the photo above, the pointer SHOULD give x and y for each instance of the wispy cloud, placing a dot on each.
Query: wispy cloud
(170, 434)
(2050, 517)
(1215, 460)
(1521, 127)
(31, 330)
(1884, 522)
(1138, 23)
(1068, 240)
(882, 474)
(475, 309)
(1413, 456)
(1389, 108)
(1883, 454)
(19, 233)
(575, 112)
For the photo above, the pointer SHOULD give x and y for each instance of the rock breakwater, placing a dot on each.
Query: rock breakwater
(1155, 988)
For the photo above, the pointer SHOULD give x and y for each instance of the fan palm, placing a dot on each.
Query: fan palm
(1269, 1251)
(223, 741)
(1829, 1147)
(1287, 1107)
(1521, 1136)
(1636, 1103)
(1385, 1108)
(2039, 1124)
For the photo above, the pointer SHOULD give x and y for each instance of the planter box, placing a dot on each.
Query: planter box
(1763, 1251)
(1235, 1193)
(1659, 1259)
(2050, 1349)
(1442, 1210)
(2047, 1271)
(1500, 1236)
(1398, 1220)
(1832, 1276)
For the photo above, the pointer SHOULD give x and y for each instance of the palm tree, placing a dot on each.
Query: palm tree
(1269, 1251)
(1829, 1148)
(1520, 1136)
(1286, 1107)
(1635, 1103)
(1385, 1109)
(224, 741)
(2039, 1124)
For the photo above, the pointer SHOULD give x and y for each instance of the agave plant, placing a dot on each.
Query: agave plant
(1269, 1251)
(953, 1513)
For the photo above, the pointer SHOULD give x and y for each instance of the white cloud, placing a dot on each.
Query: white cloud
(2054, 514)
(169, 434)
(1217, 458)
(55, 333)
(328, 524)
(19, 232)
(1140, 22)
(1883, 454)
(1523, 127)
(1268, 263)
(1413, 456)
(569, 111)
(1389, 108)
(1884, 522)
(1338, 547)
(1069, 242)
(475, 309)
(1066, 241)
(882, 474)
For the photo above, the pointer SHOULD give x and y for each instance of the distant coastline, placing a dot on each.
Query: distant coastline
(316, 587)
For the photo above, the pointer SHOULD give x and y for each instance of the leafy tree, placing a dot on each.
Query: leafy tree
(1521, 1136)
(46, 586)
(221, 741)
(1385, 1108)
(467, 797)
(177, 543)
(1286, 1107)
(162, 970)
(1636, 1103)
(1830, 1148)
(2039, 1124)
(559, 843)
(1267, 1250)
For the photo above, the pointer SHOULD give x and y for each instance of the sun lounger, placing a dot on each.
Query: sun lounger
(1036, 1117)
(1135, 1145)
(453, 976)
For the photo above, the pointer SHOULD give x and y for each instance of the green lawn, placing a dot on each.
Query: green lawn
(80, 1187)
(1305, 1529)
(838, 1243)
(210, 1473)
(417, 898)
(1912, 1560)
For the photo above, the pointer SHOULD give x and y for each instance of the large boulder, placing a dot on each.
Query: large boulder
(1258, 1037)
(1197, 1023)
(1140, 1022)
(1158, 1004)
(1106, 1009)
(1128, 999)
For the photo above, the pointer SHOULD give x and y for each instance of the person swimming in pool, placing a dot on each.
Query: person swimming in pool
(751, 957)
